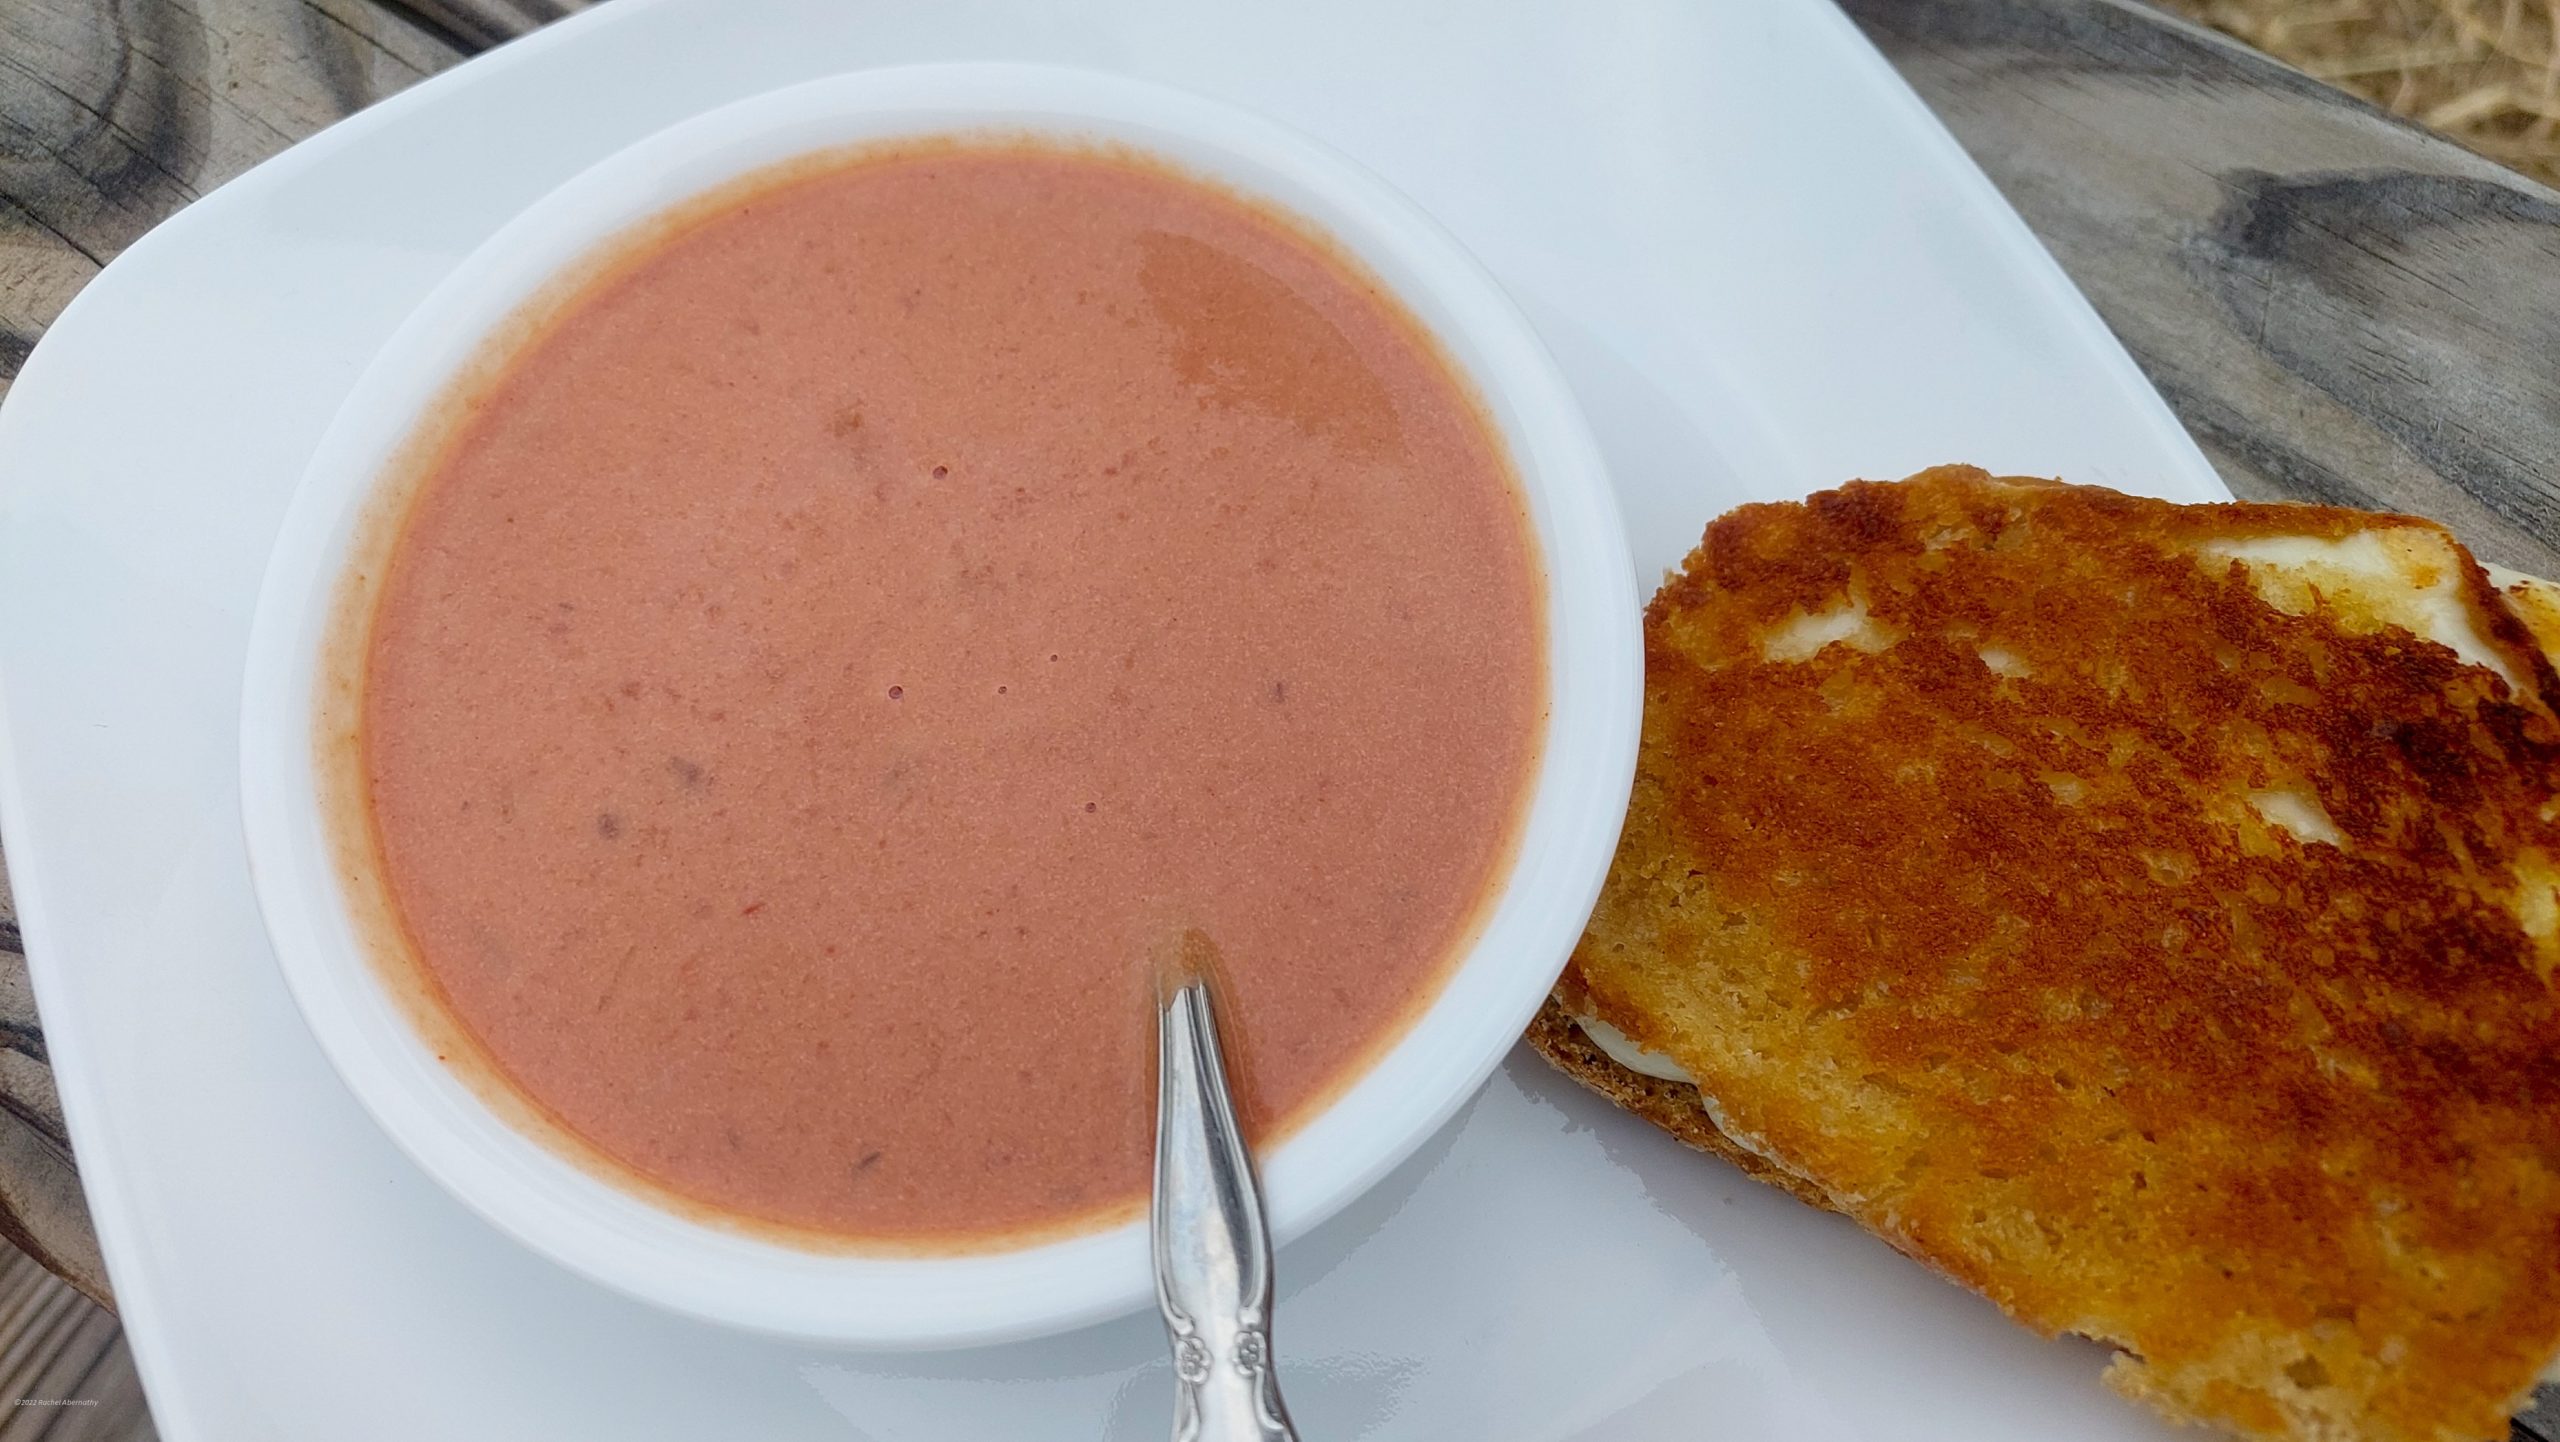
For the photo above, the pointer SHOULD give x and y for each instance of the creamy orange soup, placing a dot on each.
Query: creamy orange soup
(837, 647)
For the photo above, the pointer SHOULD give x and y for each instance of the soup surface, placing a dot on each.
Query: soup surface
(842, 643)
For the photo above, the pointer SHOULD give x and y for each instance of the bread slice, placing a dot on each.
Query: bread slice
(2142, 914)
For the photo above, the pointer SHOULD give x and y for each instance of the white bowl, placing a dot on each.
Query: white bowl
(295, 708)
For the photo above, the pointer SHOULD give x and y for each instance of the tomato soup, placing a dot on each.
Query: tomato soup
(836, 647)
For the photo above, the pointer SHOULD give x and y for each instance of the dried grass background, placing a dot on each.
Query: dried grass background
(2485, 72)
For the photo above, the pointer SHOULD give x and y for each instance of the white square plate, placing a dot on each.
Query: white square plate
(1762, 264)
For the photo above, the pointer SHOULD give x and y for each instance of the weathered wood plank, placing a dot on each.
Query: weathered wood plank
(65, 1373)
(2342, 307)
(475, 25)
(114, 113)
(42, 1213)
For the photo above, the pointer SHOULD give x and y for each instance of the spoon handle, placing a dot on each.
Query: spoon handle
(1212, 1254)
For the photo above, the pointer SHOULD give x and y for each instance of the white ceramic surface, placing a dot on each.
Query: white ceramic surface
(563, 1209)
(1746, 310)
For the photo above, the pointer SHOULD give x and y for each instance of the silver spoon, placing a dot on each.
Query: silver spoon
(1212, 1253)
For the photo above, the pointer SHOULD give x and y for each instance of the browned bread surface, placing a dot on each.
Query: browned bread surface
(1674, 1106)
(2154, 940)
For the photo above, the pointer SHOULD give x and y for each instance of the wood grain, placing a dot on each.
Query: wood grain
(114, 113)
(2342, 308)
(41, 1212)
(65, 1373)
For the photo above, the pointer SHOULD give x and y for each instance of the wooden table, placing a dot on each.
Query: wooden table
(2342, 308)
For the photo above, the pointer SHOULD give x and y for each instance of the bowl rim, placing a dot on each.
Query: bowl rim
(550, 1203)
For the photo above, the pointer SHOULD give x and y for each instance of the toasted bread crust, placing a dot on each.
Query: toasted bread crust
(1959, 872)
(1674, 1106)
